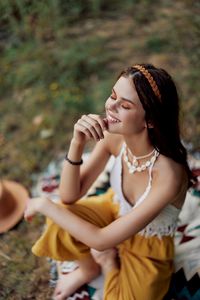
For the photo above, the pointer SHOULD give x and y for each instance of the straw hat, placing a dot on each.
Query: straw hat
(13, 198)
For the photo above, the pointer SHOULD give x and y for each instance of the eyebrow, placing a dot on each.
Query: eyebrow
(124, 99)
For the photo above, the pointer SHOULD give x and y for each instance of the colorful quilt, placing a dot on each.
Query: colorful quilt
(185, 283)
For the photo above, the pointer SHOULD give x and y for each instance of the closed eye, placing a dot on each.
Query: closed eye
(125, 106)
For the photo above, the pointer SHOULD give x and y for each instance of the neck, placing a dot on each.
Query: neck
(139, 144)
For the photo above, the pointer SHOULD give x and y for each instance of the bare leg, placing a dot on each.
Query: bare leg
(68, 283)
(107, 259)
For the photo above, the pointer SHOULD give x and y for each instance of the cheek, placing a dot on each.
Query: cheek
(128, 115)
(133, 119)
(107, 103)
(140, 115)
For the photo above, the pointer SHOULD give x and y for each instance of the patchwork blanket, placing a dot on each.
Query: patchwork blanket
(185, 283)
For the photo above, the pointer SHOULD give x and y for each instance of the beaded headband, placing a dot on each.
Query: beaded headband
(150, 79)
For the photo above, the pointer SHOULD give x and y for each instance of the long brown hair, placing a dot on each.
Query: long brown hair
(162, 113)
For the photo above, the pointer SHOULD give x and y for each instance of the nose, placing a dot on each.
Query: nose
(111, 105)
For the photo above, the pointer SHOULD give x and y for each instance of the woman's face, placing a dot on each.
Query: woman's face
(124, 110)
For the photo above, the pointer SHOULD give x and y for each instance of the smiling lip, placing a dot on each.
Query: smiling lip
(112, 119)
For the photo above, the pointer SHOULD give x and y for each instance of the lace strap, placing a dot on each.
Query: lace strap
(148, 188)
(122, 149)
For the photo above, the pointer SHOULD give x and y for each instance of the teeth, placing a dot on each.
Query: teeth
(112, 119)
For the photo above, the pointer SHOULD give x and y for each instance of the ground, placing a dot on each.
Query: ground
(39, 103)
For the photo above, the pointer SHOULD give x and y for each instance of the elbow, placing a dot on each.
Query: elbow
(100, 245)
(102, 241)
(66, 199)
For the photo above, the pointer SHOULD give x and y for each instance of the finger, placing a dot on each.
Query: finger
(95, 124)
(83, 130)
(105, 122)
(29, 219)
(90, 128)
(96, 132)
(100, 120)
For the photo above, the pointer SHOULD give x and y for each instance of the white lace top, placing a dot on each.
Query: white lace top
(164, 224)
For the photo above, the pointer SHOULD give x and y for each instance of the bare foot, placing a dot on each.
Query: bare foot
(70, 282)
(107, 259)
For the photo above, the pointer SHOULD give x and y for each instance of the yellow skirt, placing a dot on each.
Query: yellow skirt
(146, 263)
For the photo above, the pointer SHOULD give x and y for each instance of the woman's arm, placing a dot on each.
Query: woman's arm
(163, 192)
(76, 180)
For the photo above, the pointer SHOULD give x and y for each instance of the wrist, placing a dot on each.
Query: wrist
(77, 143)
(43, 204)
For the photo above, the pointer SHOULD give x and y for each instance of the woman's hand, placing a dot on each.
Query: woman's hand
(34, 206)
(89, 127)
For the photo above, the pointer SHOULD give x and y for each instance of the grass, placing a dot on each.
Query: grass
(60, 60)
(23, 276)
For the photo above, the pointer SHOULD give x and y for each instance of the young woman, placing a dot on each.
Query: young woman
(127, 232)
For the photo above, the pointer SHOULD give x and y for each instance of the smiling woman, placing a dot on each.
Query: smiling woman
(127, 232)
(124, 106)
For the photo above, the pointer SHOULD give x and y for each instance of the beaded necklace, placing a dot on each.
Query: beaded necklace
(134, 165)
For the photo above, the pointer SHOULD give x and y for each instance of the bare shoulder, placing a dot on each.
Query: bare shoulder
(169, 170)
(113, 143)
(172, 177)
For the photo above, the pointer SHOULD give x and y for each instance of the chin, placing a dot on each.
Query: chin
(114, 129)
